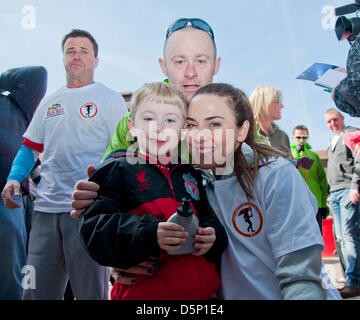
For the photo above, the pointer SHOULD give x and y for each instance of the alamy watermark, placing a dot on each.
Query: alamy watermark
(328, 21)
(29, 279)
(208, 148)
(28, 20)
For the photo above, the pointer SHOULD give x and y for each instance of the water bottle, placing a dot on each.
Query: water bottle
(185, 217)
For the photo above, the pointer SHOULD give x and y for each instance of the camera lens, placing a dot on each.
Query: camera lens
(345, 27)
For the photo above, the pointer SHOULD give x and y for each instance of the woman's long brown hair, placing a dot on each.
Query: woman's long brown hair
(240, 105)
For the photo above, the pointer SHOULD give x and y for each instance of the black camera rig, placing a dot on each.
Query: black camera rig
(347, 28)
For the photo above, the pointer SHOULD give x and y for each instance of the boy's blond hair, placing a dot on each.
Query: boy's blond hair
(159, 92)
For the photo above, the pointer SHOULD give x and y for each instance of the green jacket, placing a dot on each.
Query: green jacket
(315, 177)
(276, 138)
(122, 138)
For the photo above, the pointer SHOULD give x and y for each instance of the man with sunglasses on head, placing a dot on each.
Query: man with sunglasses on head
(189, 62)
(313, 174)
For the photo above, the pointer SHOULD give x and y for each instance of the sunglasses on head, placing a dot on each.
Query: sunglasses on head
(193, 22)
(301, 137)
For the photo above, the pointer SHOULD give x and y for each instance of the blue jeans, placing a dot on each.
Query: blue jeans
(12, 251)
(346, 226)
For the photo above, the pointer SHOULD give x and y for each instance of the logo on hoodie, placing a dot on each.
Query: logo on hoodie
(140, 176)
(191, 186)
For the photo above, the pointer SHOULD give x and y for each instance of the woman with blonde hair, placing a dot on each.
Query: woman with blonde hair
(266, 103)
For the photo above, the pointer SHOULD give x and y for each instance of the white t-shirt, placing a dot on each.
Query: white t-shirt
(281, 219)
(75, 127)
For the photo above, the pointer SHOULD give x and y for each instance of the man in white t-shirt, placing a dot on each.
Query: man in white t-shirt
(72, 128)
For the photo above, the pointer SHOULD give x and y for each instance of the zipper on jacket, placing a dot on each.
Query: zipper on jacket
(169, 180)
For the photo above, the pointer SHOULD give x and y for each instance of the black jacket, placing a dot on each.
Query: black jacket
(347, 94)
(119, 228)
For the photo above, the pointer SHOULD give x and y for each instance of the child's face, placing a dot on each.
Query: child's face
(157, 127)
(213, 135)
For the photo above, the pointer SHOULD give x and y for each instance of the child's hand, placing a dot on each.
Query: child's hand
(170, 236)
(205, 239)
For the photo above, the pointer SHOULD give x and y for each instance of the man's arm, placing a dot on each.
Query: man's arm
(347, 93)
(112, 236)
(84, 194)
(354, 195)
(27, 86)
(21, 168)
(118, 239)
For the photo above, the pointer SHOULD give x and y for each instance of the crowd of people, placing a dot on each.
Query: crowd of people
(260, 201)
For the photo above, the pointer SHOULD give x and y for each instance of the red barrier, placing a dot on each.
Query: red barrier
(328, 238)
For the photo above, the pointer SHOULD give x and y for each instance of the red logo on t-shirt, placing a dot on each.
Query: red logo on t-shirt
(89, 110)
(247, 220)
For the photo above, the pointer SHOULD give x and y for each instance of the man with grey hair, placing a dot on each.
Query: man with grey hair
(344, 185)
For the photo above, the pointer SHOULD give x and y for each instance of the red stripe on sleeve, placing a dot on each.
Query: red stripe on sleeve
(33, 145)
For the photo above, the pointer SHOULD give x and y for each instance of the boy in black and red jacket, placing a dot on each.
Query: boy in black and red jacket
(139, 191)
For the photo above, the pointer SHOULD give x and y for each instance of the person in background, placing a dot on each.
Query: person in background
(344, 184)
(21, 90)
(266, 102)
(314, 175)
(71, 127)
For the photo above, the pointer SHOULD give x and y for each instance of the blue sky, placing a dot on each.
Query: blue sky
(260, 42)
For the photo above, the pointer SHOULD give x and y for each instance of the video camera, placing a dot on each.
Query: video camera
(347, 28)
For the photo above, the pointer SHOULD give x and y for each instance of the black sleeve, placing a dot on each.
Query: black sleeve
(27, 86)
(111, 236)
(347, 94)
(207, 218)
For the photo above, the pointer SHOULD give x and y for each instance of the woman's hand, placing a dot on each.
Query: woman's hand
(128, 276)
(205, 239)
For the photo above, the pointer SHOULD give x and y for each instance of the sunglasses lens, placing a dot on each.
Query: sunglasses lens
(202, 25)
(196, 23)
(177, 25)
